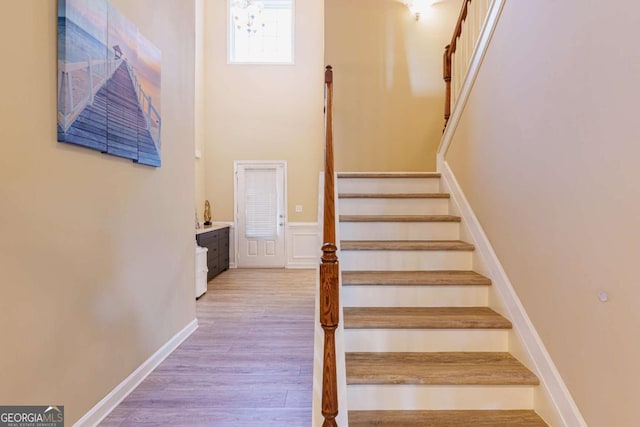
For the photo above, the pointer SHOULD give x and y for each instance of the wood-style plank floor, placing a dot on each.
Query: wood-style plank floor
(249, 363)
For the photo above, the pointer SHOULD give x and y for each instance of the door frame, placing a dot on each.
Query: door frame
(236, 212)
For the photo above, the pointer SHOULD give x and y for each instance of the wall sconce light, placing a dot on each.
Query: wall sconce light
(418, 7)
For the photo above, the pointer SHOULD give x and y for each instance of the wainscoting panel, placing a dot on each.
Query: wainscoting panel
(303, 245)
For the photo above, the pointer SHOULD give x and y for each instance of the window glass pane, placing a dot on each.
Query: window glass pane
(261, 31)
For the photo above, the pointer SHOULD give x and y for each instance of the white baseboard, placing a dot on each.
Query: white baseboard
(562, 403)
(122, 390)
(303, 244)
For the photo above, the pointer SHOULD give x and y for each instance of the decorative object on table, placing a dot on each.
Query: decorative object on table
(207, 213)
(108, 83)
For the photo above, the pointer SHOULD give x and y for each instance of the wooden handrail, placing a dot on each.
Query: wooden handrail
(329, 288)
(449, 50)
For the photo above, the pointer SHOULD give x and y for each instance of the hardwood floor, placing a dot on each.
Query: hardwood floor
(423, 318)
(394, 195)
(441, 368)
(399, 218)
(491, 418)
(406, 245)
(413, 278)
(249, 363)
(388, 175)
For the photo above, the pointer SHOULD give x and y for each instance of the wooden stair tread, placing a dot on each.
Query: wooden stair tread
(423, 318)
(394, 196)
(414, 278)
(399, 218)
(475, 418)
(405, 245)
(388, 175)
(442, 368)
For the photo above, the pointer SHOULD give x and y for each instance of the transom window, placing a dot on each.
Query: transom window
(261, 31)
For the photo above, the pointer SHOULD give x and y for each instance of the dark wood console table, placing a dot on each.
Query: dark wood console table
(216, 240)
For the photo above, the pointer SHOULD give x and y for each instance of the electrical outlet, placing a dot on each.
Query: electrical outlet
(298, 208)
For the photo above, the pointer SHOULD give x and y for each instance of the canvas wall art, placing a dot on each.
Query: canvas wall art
(108, 82)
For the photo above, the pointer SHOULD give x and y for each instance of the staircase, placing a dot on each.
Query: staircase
(422, 346)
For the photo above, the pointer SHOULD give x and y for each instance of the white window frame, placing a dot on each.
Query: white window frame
(293, 40)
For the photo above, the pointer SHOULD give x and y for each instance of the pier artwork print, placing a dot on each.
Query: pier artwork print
(109, 79)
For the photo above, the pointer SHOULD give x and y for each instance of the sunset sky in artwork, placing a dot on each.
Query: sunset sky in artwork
(141, 53)
(96, 17)
(148, 66)
(91, 15)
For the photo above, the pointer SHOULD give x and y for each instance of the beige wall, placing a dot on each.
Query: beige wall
(265, 112)
(547, 154)
(389, 92)
(96, 253)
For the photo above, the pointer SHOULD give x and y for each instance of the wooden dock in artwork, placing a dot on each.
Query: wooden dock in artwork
(114, 121)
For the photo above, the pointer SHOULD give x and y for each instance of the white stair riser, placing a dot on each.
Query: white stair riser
(405, 260)
(388, 185)
(385, 206)
(400, 230)
(420, 397)
(425, 340)
(415, 296)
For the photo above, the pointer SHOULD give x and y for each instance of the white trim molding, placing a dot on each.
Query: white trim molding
(563, 405)
(472, 73)
(103, 408)
(303, 244)
(233, 259)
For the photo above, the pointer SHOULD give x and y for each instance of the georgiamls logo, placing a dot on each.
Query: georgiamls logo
(32, 416)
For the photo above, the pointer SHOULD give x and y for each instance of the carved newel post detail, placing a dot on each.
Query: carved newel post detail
(329, 292)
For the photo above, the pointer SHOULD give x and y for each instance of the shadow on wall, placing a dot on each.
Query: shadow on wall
(388, 82)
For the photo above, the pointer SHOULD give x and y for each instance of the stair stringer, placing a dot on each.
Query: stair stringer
(552, 400)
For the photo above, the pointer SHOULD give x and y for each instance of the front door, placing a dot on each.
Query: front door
(260, 213)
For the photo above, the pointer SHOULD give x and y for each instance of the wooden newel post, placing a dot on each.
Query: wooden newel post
(329, 318)
(329, 270)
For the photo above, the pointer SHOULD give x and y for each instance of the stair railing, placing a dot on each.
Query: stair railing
(459, 52)
(329, 270)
